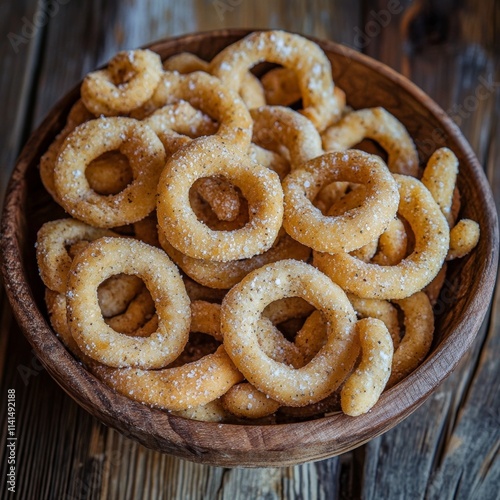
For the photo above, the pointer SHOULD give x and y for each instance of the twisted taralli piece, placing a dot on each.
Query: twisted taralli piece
(353, 229)
(210, 156)
(321, 105)
(239, 324)
(87, 142)
(127, 83)
(363, 388)
(109, 256)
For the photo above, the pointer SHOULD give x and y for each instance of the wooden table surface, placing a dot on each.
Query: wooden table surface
(449, 448)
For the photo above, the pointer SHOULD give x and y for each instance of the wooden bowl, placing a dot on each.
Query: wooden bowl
(461, 308)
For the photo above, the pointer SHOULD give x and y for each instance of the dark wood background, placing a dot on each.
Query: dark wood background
(449, 448)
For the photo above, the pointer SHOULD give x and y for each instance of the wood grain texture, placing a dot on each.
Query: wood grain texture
(98, 462)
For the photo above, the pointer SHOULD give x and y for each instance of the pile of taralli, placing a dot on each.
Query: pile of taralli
(228, 256)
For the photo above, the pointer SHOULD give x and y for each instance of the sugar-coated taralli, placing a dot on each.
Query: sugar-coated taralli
(190, 385)
(381, 126)
(226, 274)
(392, 244)
(350, 201)
(245, 401)
(52, 243)
(211, 412)
(276, 126)
(184, 387)
(129, 80)
(381, 310)
(269, 159)
(251, 90)
(312, 336)
(205, 157)
(205, 318)
(353, 229)
(417, 341)
(138, 312)
(196, 291)
(78, 114)
(173, 121)
(56, 307)
(463, 238)
(114, 294)
(287, 308)
(110, 173)
(239, 324)
(321, 105)
(281, 88)
(440, 177)
(209, 95)
(109, 256)
(175, 125)
(363, 388)
(414, 272)
(87, 142)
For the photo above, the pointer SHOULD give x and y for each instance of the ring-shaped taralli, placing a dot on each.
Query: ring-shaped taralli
(414, 272)
(207, 157)
(146, 156)
(127, 83)
(285, 127)
(321, 105)
(53, 239)
(251, 90)
(239, 323)
(381, 126)
(353, 229)
(109, 256)
(209, 95)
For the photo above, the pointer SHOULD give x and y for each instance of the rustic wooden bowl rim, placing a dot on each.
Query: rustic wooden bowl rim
(229, 444)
